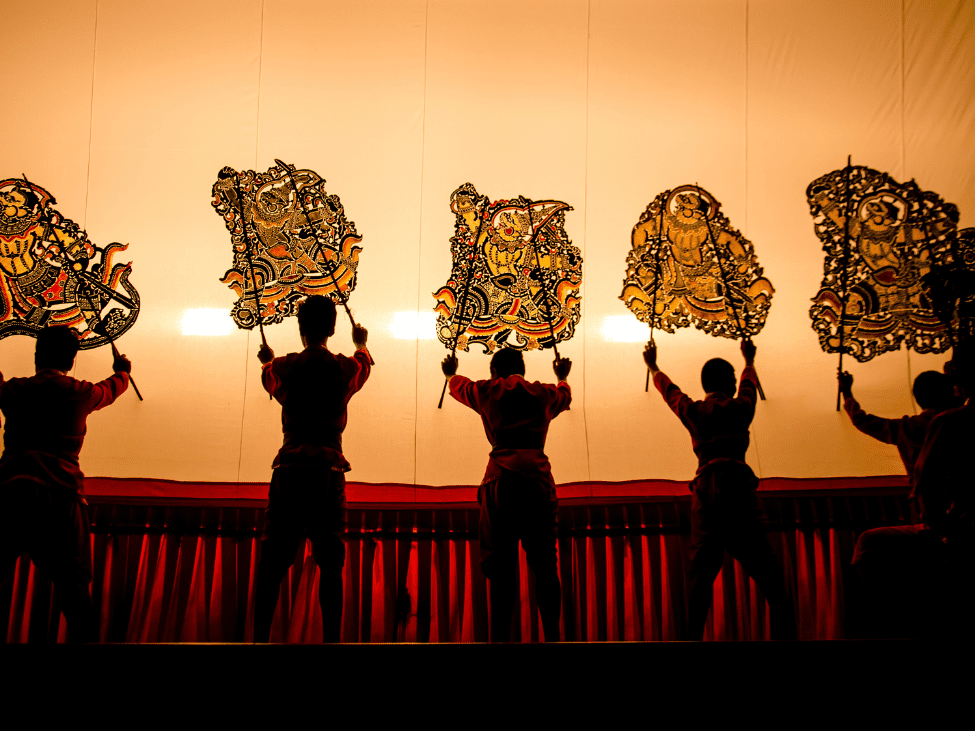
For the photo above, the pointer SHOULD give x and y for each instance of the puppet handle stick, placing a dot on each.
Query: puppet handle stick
(541, 282)
(318, 243)
(247, 253)
(443, 393)
(110, 341)
(342, 298)
(131, 380)
(952, 248)
(250, 263)
(846, 264)
(727, 289)
(656, 283)
(467, 287)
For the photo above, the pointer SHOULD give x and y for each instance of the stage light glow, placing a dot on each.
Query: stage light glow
(624, 329)
(411, 325)
(207, 321)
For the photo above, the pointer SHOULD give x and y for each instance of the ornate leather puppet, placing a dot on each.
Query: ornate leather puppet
(290, 239)
(689, 266)
(51, 274)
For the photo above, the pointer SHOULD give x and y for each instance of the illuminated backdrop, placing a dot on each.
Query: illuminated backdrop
(126, 111)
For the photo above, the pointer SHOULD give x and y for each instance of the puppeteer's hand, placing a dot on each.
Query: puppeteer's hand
(748, 350)
(562, 366)
(846, 383)
(122, 364)
(650, 356)
(449, 366)
(265, 354)
(359, 336)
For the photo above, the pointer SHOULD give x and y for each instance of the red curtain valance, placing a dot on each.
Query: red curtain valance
(183, 573)
(398, 494)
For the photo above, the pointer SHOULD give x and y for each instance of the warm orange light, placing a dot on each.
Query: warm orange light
(208, 321)
(624, 329)
(411, 325)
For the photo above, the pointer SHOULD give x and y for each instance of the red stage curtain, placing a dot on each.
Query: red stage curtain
(187, 573)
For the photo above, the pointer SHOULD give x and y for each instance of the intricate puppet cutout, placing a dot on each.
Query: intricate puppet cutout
(677, 275)
(950, 286)
(45, 278)
(293, 235)
(515, 277)
(876, 263)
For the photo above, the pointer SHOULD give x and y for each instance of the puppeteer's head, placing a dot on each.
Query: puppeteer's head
(933, 390)
(316, 319)
(963, 365)
(56, 348)
(507, 362)
(718, 376)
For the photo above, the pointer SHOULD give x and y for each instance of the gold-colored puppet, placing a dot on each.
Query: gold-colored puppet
(688, 265)
(515, 277)
(290, 239)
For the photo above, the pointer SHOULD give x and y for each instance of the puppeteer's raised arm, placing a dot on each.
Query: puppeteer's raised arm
(650, 358)
(121, 364)
(748, 350)
(449, 366)
(561, 366)
(359, 336)
(846, 383)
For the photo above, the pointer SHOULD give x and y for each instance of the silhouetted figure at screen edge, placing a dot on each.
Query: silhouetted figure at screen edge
(724, 508)
(892, 570)
(944, 487)
(517, 495)
(40, 474)
(307, 493)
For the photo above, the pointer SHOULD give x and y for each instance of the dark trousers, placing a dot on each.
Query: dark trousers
(303, 502)
(517, 507)
(725, 517)
(914, 584)
(51, 525)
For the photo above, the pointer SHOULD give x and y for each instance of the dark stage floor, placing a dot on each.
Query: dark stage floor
(829, 681)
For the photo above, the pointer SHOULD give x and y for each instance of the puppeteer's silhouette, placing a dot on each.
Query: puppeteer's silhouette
(307, 493)
(943, 486)
(725, 515)
(43, 486)
(892, 571)
(517, 495)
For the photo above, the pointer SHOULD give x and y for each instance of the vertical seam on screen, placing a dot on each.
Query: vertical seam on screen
(746, 118)
(910, 390)
(260, 71)
(758, 454)
(91, 115)
(257, 142)
(419, 257)
(243, 411)
(903, 95)
(585, 234)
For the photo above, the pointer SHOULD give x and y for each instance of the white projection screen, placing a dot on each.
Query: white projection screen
(126, 110)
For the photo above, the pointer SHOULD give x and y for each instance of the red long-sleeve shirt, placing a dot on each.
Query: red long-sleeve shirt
(718, 425)
(314, 388)
(515, 415)
(944, 476)
(45, 425)
(906, 433)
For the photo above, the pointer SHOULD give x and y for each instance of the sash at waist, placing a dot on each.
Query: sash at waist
(521, 461)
